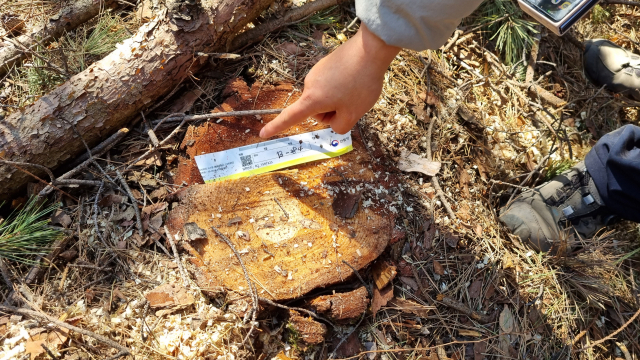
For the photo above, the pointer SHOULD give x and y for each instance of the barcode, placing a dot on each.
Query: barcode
(246, 160)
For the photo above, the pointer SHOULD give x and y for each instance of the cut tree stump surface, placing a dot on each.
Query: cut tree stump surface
(287, 255)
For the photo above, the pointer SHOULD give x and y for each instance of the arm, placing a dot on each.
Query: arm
(343, 86)
(340, 88)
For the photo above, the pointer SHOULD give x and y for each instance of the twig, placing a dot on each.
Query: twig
(420, 349)
(434, 179)
(101, 148)
(97, 151)
(95, 213)
(185, 276)
(452, 41)
(17, 166)
(333, 353)
(281, 207)
(608, 337)
(454, 304)
(308, 312)
(189, 118)
(65, 325)
(152, 135)
(5, 274)
(252, 289)
(134, 202)
(359, 278)
(53, 67)
(150, 151)
(117, 356)
(252, 35)
(52, 355)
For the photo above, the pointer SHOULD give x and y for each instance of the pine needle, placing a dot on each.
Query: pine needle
(26, 233)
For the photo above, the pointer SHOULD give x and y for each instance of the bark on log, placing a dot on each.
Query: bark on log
(71, 16)
(102, 99)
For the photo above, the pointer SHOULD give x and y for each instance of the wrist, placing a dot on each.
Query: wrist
(377, 52)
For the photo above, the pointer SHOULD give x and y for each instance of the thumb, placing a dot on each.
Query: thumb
(340, 122)
(292, 115)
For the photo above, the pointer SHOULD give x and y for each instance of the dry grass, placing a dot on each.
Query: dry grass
(559, 304)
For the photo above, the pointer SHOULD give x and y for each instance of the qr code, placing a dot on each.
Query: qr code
(246, 160)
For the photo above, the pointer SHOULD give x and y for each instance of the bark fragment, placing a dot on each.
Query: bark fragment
(309, 330)
(343, 306)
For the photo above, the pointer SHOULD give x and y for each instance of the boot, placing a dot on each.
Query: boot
(606, 63)
(558, 213)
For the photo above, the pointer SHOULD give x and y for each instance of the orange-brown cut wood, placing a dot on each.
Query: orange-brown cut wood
(307, 240)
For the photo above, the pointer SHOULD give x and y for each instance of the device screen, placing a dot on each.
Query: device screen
(555, 9)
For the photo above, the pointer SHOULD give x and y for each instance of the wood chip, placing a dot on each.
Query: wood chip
(193, 232)
(410, 162)
(383, 273)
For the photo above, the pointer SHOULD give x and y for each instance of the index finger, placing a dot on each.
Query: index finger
(292, 115)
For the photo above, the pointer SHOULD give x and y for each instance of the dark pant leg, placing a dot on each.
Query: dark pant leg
(614, 164)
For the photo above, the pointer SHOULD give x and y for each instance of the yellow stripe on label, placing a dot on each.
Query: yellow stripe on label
(282, 165)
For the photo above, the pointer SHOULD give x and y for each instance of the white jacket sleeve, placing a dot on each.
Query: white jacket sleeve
(414, 24)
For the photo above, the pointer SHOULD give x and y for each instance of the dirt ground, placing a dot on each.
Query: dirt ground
(450, 284)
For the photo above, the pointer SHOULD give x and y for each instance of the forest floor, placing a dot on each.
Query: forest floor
(464, 106)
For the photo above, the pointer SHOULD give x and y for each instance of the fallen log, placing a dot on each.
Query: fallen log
(104, 97)
(68, 18)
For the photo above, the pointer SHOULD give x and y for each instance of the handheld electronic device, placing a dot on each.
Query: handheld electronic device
(557, 15)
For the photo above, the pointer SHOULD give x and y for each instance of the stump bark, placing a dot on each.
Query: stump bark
(104, 97)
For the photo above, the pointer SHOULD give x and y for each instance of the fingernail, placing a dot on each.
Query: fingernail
(262, 133)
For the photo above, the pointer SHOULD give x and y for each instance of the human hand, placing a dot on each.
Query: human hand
(342, 87)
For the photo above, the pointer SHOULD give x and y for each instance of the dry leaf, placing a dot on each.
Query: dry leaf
(506, 320)
(159, 193)
(411, 162)
(429, 235)
(282, 356)
(438, 268)
(290, 48)
(169, 295)
(110, 200)
(127, 215)
(34, 348)
(153, 159)
(150, 209)
(156, 222)
(451, 240)
(465, 180)
(371, 347)
(185, 102)
(383, 273)
(432, 98)
(475, 288)
(479, 349)
(409, 282)
(409, 306)
(60, 217)
(351, 346)
(478, 230)
(381, 298)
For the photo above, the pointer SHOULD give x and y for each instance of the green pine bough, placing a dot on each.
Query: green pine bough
(505, 23)
(26, 232)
